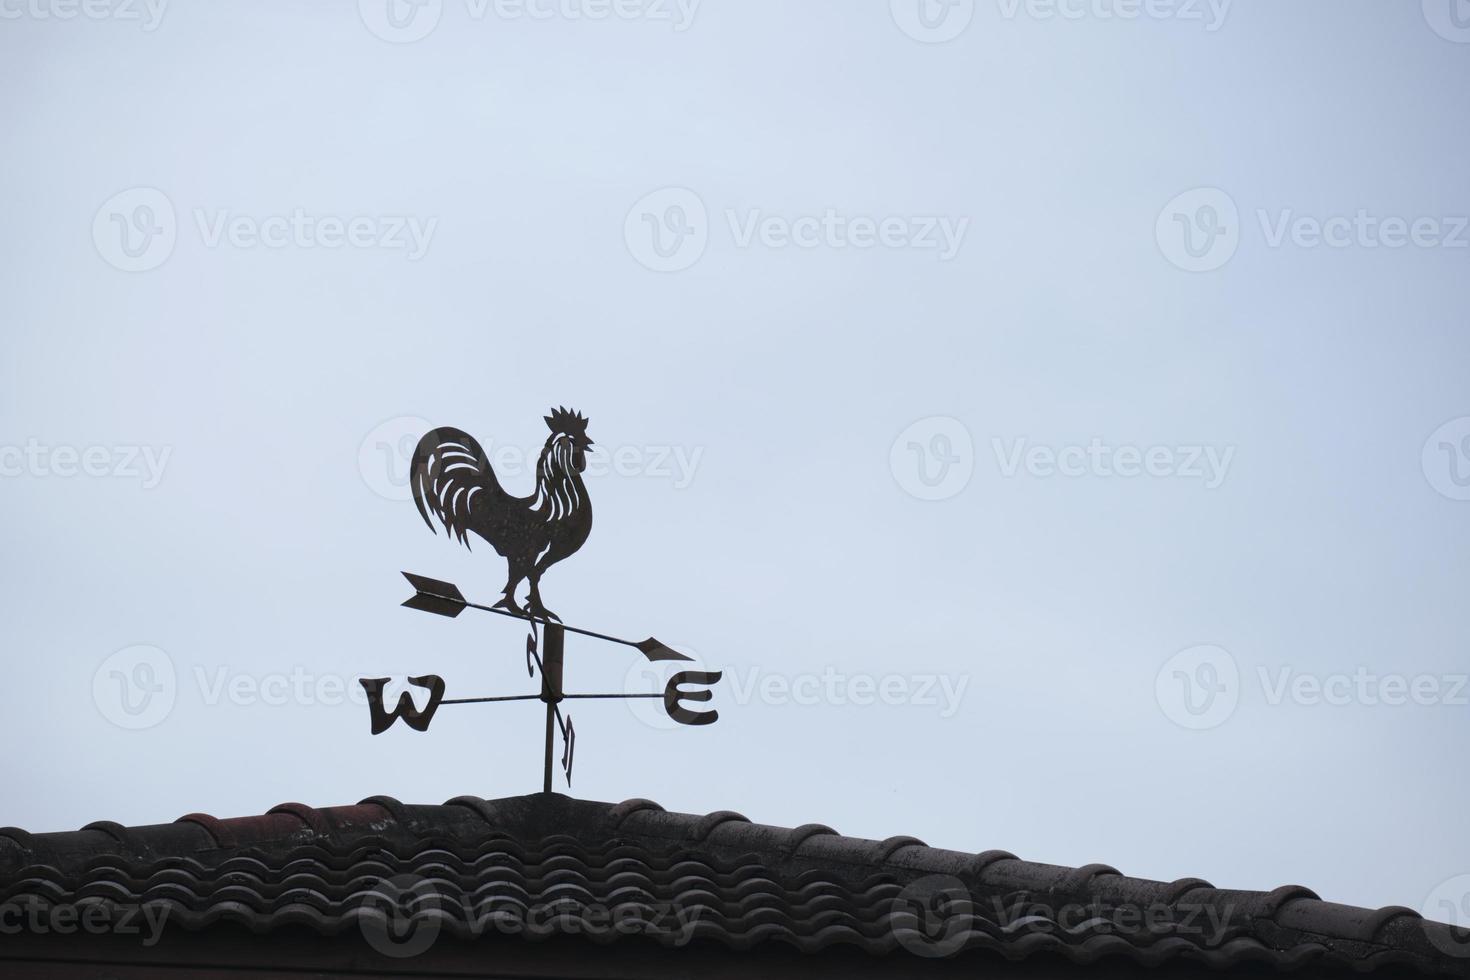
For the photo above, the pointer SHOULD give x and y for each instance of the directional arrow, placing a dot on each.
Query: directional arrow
(445, 599)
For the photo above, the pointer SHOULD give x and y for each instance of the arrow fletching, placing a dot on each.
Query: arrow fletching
(434, 596)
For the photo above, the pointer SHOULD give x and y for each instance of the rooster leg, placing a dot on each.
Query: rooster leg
(508, 600)
(533, 601)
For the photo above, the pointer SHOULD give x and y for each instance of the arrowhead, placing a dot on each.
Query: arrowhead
(434, 596)
(654, 650)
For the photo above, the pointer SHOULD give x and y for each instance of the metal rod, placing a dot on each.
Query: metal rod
(537, 697)
(547, 622)
(550, 718)
(516, 697)
(569, 696)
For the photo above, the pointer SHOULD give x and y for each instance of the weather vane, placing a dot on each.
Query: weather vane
(453, 481)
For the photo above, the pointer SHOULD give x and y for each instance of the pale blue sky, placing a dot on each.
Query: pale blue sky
(356, 234)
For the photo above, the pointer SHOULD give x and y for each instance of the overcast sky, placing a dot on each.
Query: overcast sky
(1051, 417)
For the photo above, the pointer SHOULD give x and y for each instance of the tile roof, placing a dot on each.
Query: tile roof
(474, 864)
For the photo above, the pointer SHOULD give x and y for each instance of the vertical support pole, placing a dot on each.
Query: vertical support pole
(550, 727)
(552, 658)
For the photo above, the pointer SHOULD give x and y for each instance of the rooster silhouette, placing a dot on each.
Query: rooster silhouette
(452, 479)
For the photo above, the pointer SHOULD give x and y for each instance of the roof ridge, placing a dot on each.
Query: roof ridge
(552, 841)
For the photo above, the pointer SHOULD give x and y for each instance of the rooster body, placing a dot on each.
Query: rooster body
(453, 481)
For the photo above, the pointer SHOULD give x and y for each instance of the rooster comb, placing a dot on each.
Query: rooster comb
(562, 421)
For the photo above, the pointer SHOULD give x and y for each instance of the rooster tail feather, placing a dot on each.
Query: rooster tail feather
(451, 479)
